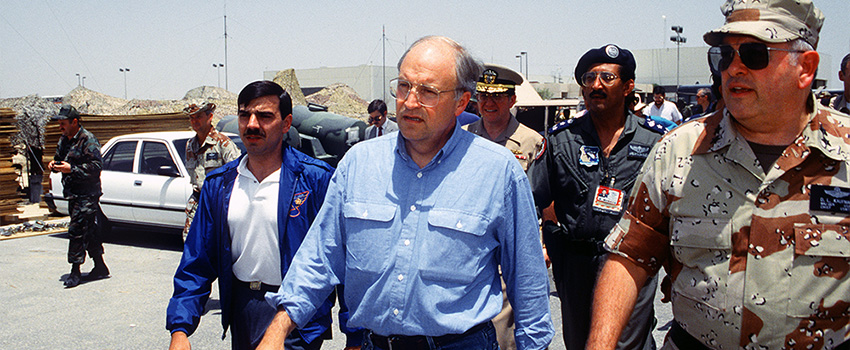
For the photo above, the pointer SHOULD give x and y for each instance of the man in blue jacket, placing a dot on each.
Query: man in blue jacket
(265, 199)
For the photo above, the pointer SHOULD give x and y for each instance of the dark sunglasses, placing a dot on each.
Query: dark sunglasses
(754, 56)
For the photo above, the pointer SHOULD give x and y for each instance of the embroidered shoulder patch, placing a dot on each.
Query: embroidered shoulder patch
(297, 200)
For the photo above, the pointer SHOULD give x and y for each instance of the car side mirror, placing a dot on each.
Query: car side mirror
(167, 170)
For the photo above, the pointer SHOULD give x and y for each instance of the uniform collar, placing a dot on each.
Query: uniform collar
(825, 132)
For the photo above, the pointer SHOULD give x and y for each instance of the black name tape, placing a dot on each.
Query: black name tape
(830, 198)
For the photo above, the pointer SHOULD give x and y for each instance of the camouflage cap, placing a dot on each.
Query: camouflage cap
(193, 109)
(67, 112)
(772, 21)
(498, 79)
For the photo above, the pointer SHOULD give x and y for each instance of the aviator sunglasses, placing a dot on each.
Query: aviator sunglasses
(754, 56)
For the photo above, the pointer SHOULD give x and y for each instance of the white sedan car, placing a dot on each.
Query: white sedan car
(144, 180)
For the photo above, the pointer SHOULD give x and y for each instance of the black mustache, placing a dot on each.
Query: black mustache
(598, 93)
(253, 131)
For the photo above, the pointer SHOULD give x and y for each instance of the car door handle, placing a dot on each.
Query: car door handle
(137, 183)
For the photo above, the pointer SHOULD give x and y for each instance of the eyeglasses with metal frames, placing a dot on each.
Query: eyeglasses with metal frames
(426, 95)
(608, 78)
(754, 56)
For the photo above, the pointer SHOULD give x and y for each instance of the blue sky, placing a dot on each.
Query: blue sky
(170, 46)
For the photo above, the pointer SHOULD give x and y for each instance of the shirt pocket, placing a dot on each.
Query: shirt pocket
(703, 246)
(819, 272)
(454, 247)
(368, 227)
(212, 160)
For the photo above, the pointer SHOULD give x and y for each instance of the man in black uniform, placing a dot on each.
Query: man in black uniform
(78, 159)
(588, 169)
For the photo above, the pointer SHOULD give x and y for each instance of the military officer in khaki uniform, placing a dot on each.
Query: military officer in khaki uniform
(496, 96)
(205, 152)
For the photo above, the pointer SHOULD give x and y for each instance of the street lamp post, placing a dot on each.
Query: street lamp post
(524, 53)
(78, 80)
(520, 63)
(217, 67)
(124, 70)
(84, 81)
(679, 40)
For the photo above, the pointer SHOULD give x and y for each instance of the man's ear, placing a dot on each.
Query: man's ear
(808, 62)
(461, 102)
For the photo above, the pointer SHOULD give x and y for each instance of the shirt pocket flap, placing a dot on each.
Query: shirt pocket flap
(822, 240)
(473, 224)
(701, 233)
(369, 211)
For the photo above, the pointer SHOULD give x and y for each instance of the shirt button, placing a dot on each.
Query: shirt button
(419, 175)
(395, 312)
(459, 225)
(413, 208)
(400, 277)
(406, 242)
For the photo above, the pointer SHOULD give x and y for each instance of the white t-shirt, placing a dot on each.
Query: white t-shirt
(252, 219)
(667, 111)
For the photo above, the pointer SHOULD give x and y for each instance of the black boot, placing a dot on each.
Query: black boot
(74, 277)
(100, 270)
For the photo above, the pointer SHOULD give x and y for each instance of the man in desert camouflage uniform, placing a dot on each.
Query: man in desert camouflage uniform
(747, 209)
(78, 159)
(205, 152)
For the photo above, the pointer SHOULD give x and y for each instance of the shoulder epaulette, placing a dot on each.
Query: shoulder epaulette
(654, 126)
(562, 125)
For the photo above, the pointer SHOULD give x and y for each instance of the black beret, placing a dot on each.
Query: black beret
(608, 54)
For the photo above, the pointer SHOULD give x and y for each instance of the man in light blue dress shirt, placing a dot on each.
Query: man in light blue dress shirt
(416, 226)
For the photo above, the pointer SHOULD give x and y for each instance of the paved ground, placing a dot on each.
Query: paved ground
(126, 311)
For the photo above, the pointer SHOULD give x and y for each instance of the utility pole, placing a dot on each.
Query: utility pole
(384, 62)
(226, 85)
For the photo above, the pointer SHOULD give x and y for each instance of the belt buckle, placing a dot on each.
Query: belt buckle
(255, 285)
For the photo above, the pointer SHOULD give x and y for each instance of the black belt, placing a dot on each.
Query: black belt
(583, 247)
(685, 340)
(255, 285)
(396, 342)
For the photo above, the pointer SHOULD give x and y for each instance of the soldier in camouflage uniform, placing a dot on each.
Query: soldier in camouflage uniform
(205, 152)
(78, 159)
(747, 208)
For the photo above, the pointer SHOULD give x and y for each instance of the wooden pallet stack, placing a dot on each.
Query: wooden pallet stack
(9, 195)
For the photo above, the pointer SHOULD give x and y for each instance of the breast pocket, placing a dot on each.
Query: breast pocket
(819, 271)
(455, 246)
(369, 235)
(704, 247)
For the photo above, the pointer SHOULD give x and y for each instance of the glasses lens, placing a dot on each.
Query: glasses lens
(608, 77)
(588, 78)
(427, 96)
(754, 55)
(399, 88)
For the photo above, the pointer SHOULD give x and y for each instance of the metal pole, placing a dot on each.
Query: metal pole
(226, 65)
